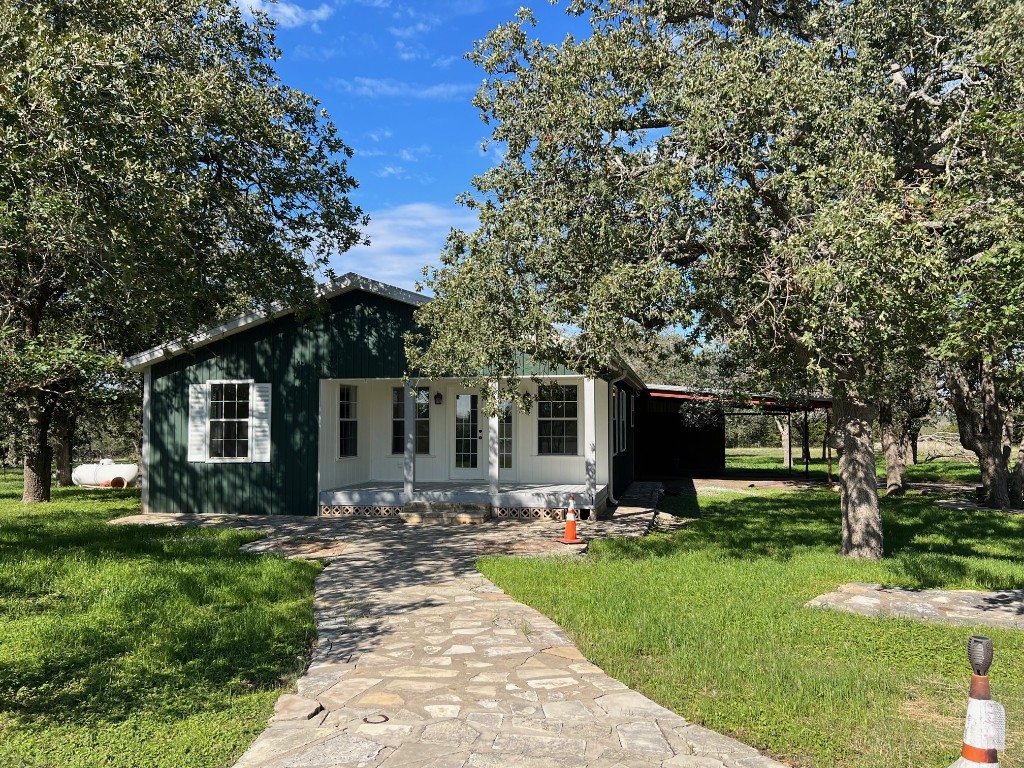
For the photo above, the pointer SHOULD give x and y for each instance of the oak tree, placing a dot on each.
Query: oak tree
(761, 173)
(153, 168)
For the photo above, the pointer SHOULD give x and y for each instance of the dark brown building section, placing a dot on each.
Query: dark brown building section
(678, 438)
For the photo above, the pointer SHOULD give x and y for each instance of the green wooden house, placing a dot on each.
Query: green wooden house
(265, 415)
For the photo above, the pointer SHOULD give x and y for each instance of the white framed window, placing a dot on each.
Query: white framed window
(421, 403)
(613, 420)
(623, 444)
(229, 421)
(505, 435)
(348, 422)
(557, 420)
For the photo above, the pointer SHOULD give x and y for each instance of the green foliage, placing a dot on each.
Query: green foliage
(811, 185)
(155, 172)
(132, 645)
(717, 629)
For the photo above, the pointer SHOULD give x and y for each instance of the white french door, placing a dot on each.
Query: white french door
(469, 431)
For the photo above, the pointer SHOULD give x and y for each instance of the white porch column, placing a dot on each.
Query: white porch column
(590, 437)
(410, 442)
(493, 452)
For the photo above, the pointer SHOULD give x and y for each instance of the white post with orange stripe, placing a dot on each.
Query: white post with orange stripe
(985, 729)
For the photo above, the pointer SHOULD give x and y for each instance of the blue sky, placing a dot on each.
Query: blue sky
(393, 76)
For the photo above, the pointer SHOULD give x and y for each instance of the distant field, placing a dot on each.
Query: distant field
(741, 461)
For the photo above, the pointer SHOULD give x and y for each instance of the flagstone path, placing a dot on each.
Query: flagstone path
(421, 662)
(1001, 608)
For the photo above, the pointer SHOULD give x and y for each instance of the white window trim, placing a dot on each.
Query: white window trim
(623, 436)
(613, 421)
(228, 459)
(430, 419)
(563, 381)
(337, 442)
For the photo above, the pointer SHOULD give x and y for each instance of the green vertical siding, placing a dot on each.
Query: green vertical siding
(360, 336)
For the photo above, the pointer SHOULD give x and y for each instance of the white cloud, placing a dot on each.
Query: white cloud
(380, 135)
(443, 62)
(413, 154)
(387, 88)
(288, 14)
(410, 52)
(403, 240)
(395, 171)
(415, 29)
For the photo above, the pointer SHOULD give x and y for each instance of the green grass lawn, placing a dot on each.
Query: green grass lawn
(138, 646)
(710, 622)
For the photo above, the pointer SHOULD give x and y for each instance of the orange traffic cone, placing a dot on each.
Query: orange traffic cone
(985, 730)
(570, 524)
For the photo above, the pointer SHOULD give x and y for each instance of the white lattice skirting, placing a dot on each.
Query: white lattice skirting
(502, 513)
(528, 513)
(346, 510)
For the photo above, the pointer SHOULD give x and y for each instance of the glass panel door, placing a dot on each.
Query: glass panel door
(467, 432)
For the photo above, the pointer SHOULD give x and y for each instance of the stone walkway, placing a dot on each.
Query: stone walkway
(1003, 609)
(421, 662)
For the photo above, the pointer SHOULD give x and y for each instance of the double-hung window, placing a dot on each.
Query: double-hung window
(623, 445)
(614, 420)
(348, 423)
(229, 421)
(421, 406)
(557, 420)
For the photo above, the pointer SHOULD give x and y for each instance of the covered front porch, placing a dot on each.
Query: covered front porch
(512, 500)
(390, 448)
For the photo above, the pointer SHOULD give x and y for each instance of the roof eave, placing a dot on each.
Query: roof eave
(349, 282)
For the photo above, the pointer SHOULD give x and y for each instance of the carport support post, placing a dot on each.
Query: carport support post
(807, 446)
(410, 442)
(590, 440)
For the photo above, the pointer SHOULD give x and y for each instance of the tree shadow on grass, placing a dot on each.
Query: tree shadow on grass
(178, 618)
(928, 546)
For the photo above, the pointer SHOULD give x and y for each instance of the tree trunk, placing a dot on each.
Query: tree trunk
(910, 454)
(62, 431)
(38, 455)
(787, 443)
(893, 447)
(981, 429)
(862, 521)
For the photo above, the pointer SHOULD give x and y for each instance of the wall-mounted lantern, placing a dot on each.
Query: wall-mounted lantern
(438, 399)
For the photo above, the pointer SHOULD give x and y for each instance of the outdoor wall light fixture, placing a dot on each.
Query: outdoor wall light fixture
(438, 399)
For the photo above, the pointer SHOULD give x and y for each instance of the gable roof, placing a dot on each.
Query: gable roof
(344, 284)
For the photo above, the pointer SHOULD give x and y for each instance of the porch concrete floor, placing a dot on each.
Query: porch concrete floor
(543, 495)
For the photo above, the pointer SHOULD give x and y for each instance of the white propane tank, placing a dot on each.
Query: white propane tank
(106, 474)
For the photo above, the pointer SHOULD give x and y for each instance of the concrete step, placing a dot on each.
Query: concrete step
(445, 513)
